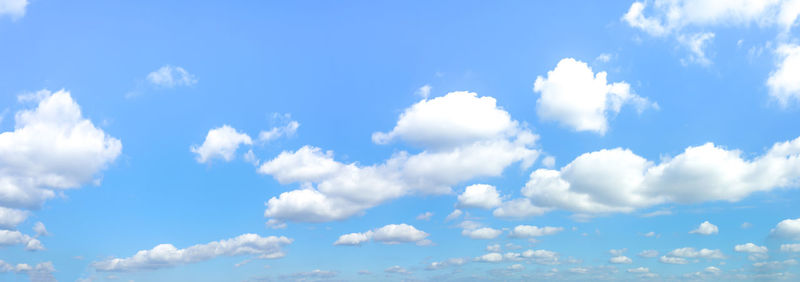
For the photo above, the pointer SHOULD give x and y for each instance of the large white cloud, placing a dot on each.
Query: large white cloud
(15, 9)
(617, 180)
(788, 229)
(52, 148)
(220, 143)
(167, 255)
(9, 237)
(783, 83)
(479, 196)
(389, 234)
(332, 190)
(573, 95)
(482, 233)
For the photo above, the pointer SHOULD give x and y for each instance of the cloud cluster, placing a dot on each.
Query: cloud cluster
(573, 95)
(41, 272)
(755, 252)
(617, 180)
(462, 136)
(527, 231)
(167, 255)
(681, 255)
(389, 234)
(543, 257)
(52, 148)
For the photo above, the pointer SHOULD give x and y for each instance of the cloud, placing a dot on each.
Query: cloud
(424, 91)
(648, 253)
(795, 248)
(482, 233)
(315, 274)
(620, 260)
(397, 270)
(169, 77)
(697, 43)
(39, 273)
(638, 270)
(389, 234)
(425, 216)
(518, 208)
(333, 190)
(490, 257)
(755, 252)
(436, 265)
(788, 229)
(9, 237)
(617, 180)
(40, 230)
(676, 255)
(167, 255)
(705, 228)
(525, 231)
(52, 148)
(479, 196)
(14, 9)
(221, 143)
(782, 83)
(289, 128)
(573, 95)
(672, 260)
(453, 215)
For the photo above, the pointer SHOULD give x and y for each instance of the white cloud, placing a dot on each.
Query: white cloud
(453, 215)
(697, 43)
(289, 128)
(712, 269)
(436, 265)
(490, 257)
(52, 148)
(783, 83)
(482, 233)
(638, 270)
(169, 76)
(9, 237)
(518, 208)
(795, 248)
(15, 9)
(521, 231)
(316, 274)
(425, 216)
(343, 190)
(39, 273)
(705, 228)
(167, 255)
(573, 95)
(10, 218)
(650, 234)
(541, 256)
(617, 180)
(493, 248)
(648, 253)
(479, 196)
(788, 228)
(672, 260)
(424, 91)
(397, 269)
(220, 143)
(620, 260)
(40, 230)
(617, 252)
(755, 252)
(389, 234)
(693, 253)
(774, 265)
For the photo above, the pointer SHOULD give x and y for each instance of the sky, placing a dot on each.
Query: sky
(399, 141)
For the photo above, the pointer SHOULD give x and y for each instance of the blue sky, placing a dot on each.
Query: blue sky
(364, 140)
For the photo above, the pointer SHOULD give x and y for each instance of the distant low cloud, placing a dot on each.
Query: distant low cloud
(13, 9)
(389, 234)
(167, 255)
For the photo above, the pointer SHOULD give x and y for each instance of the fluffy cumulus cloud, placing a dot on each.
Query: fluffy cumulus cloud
(788, 229)
(389, 234)
(518, 208)
(167, 255)
(617, 180)
(436, 265)
(484, 233)
(620, 260)
(573, 95)
(526, 231)
(52, 148)
(169, 77)
(705, 228)
(755, 252)
(9, 237)
(782, 82)
(221, 143)
(288, 128)
(681, 255)
(479, 196)
(543, 257)
(14, 9)
(794, 248)
(40, 272)
(462, 136)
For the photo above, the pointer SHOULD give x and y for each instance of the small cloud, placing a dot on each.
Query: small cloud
(705, 228)
(169, 77)
(604, 58)
(425, 216)
(424, 91)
